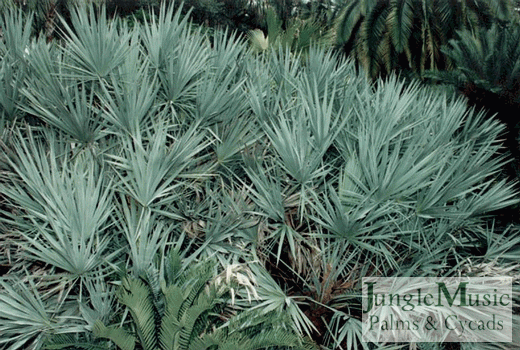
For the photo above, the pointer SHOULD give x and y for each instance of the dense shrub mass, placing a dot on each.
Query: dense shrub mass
(166, 189)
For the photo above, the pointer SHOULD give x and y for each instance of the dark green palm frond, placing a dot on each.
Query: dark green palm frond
(256, 329)
(266, 339)
(400, 21)
(192, 318)
(416, 30)
(446, 14)
(194, 286)
(433, 57)
(372, 31)
(388, 54)
(479, 13)
(274, 25)
(170, 325)
(503, 9)
(189, 319)
(74, 342)
(353, 13)
(311, 33)
(489, 61)
(471, 53)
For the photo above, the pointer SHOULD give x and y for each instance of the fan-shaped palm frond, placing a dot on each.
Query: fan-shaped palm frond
(68, 208)
(16, 34)
(161, 36)
(130, 97)
(95, 45)
(148, 171)
(65, 104)
(14, 48)
(25, 317)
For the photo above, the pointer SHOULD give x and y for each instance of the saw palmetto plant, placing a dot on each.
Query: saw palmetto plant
(164, 189)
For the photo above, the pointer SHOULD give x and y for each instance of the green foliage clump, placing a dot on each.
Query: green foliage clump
(297, 36)
(487, 73)
(181, 308)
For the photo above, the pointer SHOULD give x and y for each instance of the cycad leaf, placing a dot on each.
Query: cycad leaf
(135, 294)
(170, 325)
(119, 336)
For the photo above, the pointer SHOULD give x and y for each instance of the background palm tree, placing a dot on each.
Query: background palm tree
(384, 35)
